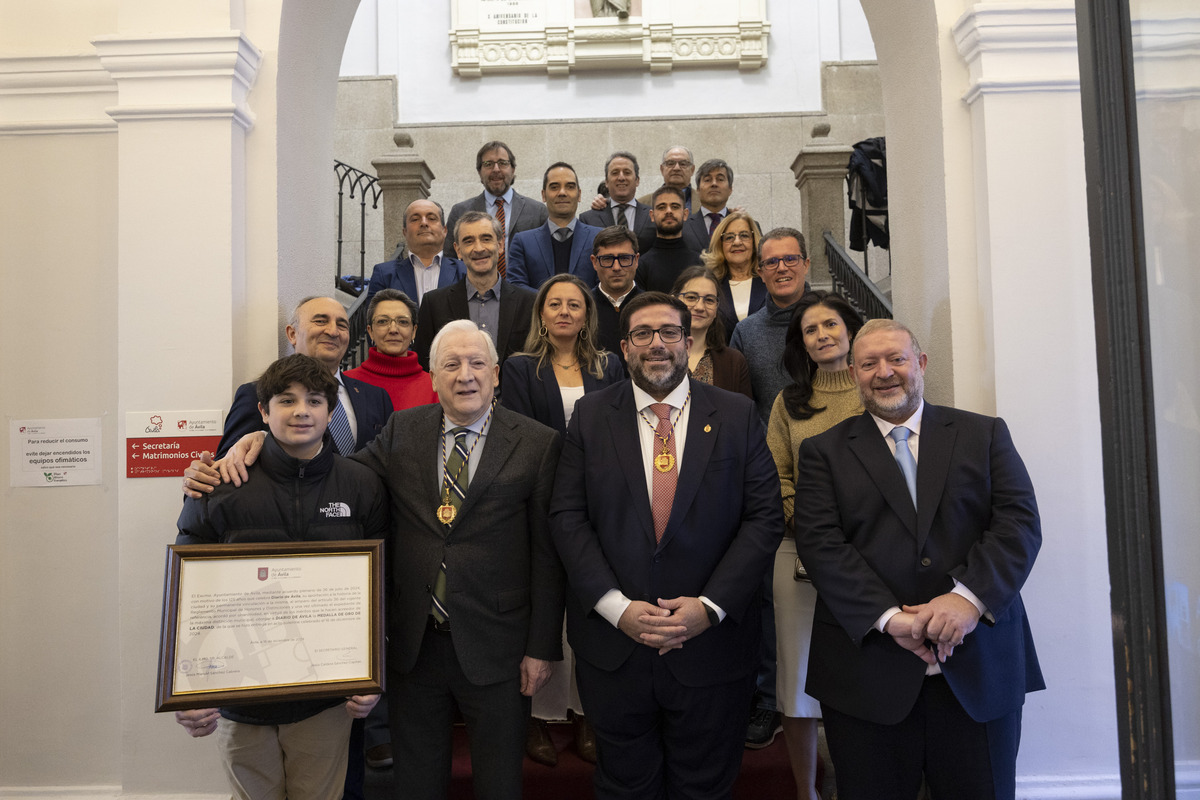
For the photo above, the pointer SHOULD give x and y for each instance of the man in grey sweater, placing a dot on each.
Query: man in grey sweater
(783, 265)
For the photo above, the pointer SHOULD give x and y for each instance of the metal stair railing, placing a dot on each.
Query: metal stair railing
(852, 283)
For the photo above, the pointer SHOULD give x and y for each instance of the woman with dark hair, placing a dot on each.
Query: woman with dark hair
(709, 360)
(732, 255)
(561, 363)
(390, 364)
(822, 394)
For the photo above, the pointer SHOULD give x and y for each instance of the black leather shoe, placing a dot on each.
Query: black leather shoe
(380, 756)
(764, 724)
(538, 745)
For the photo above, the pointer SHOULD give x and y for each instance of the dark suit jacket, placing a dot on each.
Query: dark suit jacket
(504, 580)
(609, 320)
(695, 230)
(643, 228)
(758, 299)
(372, 407)
(398, 274)
(536, 395)
(725, 525)
(867, 549)
(443, 305)
(525, 214)
(531, 257)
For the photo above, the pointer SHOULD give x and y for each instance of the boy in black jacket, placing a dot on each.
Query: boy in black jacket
(304, 492)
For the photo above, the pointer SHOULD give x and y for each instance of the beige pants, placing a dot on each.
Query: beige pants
(305, 760)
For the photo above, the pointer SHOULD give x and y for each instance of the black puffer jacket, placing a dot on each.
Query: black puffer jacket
(326, 498)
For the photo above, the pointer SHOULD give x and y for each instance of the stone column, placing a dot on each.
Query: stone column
(403, 177)
(820, 172)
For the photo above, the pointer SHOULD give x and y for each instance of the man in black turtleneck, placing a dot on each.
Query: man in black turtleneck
(660, 265)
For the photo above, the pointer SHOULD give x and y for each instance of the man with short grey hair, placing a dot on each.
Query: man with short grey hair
(501, 309)
(919, 522)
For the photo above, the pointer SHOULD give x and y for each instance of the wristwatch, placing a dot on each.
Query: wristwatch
(713, 619)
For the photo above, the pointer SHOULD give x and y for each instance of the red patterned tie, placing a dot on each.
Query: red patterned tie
(663, 483)
(713, 221)
(503, 231)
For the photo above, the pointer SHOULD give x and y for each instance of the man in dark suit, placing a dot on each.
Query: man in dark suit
(420, 267)
(615, 258)
(498, 307)
(918, 522)
(474, 587)
(714, 185)
(664, 562)
(563, 244)
(622, 176)
(497, 167)
(475, 590)
(319, 328)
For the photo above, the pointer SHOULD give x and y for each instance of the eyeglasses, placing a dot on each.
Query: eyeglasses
(387, 322)
(624, 259)
(772, 264)
(502, 163)
(667, 334)
(730, 238)
(691, 298)
(677, 163)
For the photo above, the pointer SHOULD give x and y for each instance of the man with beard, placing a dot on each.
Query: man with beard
(664, 563)
(497, 168)
(499, 308)
(661, 264)
(420, 266)
(918, 523)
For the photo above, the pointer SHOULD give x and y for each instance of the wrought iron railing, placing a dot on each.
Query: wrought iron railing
(359, 184)
(852, 283)
(356, 353)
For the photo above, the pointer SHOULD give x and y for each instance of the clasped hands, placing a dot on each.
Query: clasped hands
(667, 625)
(932, 630)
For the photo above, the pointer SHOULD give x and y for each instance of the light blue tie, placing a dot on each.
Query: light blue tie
(904, 457)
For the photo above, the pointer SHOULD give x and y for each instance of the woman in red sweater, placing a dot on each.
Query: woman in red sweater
(390, 365)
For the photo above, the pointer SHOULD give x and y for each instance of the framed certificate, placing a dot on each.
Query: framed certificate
(252, 623)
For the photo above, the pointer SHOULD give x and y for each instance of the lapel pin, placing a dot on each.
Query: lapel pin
(708, 428)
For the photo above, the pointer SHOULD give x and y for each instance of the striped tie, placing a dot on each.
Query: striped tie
(503, 232)
(339, 428)
(456, 480)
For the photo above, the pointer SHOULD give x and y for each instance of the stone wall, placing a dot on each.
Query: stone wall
(759, 147)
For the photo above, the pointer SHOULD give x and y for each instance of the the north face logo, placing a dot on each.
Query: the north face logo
(336, 510)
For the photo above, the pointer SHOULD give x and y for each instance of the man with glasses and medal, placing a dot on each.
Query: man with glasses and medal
(666, 513)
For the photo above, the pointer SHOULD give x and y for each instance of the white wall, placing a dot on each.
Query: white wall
(415, 48)
(150, 256)
(991, 267)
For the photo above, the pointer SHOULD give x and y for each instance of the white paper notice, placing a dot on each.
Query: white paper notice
(54, 452)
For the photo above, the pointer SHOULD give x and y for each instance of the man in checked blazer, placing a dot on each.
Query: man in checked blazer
(497, 168)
